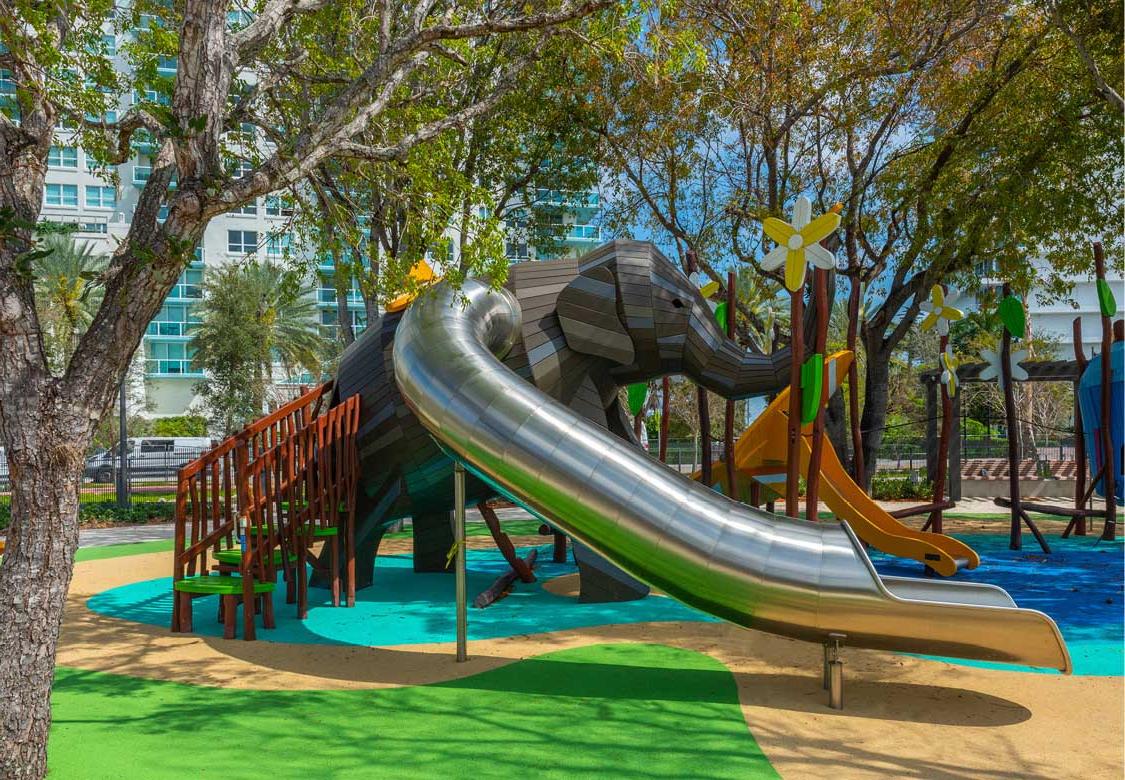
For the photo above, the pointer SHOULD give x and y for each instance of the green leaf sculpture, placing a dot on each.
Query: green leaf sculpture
(637, 394)
(721, 315)
(812, 381)
(1013, 316)
(1106, 302)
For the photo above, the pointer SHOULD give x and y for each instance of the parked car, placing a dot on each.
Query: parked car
(147, 457)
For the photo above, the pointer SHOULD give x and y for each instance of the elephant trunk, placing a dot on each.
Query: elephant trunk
(734, 372)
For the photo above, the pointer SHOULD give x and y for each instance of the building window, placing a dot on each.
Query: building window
(249, 210)
(277, 245)
(236, 20)
(242, 168)
(100, 197)
(110, 44)
(7, 84)
(278, 206)
(241, 242)
(61, 194)
(63, 157)
(94, 227)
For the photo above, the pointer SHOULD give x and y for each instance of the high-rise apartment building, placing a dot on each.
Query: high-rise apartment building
(99, 212)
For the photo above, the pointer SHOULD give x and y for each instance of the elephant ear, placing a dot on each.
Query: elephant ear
(587, 310)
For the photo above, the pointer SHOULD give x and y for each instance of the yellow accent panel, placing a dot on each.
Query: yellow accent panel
(423, 274)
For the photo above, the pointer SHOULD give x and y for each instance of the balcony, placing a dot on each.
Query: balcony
(164, 367)
(568, 199)
(326, 296)
(142, 173)
(582, 233)
(173, 329)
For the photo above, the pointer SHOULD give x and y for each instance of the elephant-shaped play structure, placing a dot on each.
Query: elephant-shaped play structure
(622, 314)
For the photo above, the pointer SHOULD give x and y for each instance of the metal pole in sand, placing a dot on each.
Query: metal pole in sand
(459, 540)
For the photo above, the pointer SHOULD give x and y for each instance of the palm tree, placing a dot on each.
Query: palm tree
(252, 317)
(67, 293)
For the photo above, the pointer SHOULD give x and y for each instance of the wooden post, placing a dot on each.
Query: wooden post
(812, 481)
(935, 521)
(728, 430)
(954, 472)
(793, 434)
(1015, 541)
(704, 411)
(665, 411)
(1109, 529)
(1079, 433)
(853, 383)
(931, 412)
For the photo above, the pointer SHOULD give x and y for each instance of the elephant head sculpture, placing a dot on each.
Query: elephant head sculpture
(632, 307)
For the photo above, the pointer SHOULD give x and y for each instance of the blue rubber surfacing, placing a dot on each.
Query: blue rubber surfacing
(1080, 585)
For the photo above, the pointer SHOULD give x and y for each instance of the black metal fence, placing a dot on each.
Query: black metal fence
(149, 476)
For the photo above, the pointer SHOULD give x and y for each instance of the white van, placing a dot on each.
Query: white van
(148, 457)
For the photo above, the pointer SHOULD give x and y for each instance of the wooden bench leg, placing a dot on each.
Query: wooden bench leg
(349, 558)
(267, 611)
(185, 612)
(175, 612)
(230, 614)
(248, 632)
(336, 571)
(302, 581)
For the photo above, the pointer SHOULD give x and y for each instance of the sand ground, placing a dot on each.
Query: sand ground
(903, 716)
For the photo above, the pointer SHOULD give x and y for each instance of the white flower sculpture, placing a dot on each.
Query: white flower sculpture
(992, 370)
(798, 244)
(940, 310)
(949, 365)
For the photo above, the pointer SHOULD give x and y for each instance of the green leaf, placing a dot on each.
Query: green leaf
(812, 382)
(1013, 316)
(721, 315)
(1106, 301)
(637, 394)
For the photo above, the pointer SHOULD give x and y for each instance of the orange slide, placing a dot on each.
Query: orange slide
(760, 454)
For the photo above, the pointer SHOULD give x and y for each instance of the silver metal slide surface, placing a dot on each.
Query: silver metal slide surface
(789, 577)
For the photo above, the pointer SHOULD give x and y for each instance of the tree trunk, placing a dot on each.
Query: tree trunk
(46, 461)
(874, 417)
(836, 424)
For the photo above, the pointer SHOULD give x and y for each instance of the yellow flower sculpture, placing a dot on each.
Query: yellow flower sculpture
(949, 365)
(798, 244)
(940, 310)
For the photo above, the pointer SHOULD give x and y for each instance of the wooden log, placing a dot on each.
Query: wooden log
(853, 383)
(665, 412)
(503, 584)
(1109, 530)
(1079, 523)
(793, 432)
(504, 544)
(1015, 540)
(921, 509)
(934, 523)
(812, 480)
(728, 429)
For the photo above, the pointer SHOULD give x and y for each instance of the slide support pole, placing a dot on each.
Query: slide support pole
(459, 540)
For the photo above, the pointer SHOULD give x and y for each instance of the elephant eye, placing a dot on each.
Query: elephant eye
(677, 303)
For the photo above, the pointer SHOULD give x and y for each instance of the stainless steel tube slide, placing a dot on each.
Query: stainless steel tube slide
(789, 577)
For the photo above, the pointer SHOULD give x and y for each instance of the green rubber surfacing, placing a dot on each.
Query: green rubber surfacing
(624, 711)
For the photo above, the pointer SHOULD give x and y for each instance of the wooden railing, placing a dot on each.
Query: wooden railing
(284, 476)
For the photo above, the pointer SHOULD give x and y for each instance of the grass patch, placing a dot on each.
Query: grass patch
(624, 711)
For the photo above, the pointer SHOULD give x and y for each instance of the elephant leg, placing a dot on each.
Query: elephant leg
(433, 538)
(601, 581)
(372, 514)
